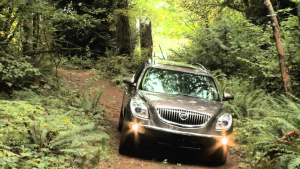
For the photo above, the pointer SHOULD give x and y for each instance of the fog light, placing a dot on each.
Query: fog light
(135, 127)
(224, 140)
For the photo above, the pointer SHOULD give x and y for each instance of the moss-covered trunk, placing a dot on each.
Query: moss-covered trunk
(146, 38)
(123, 29)
(279, 46)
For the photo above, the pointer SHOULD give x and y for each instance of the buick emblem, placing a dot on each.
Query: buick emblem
(183, 115)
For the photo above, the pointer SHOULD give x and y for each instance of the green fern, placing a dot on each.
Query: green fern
(294, 163)
(49, 132)
(263, 122)
(91, 99)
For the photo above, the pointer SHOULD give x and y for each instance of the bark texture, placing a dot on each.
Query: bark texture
(27, 44)
(28, 29)
(279, 46)
(123, 30)
(146, 38)
(36, 30)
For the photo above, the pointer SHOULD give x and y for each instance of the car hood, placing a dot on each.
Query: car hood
(155, 100)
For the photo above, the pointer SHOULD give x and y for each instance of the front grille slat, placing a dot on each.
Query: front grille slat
(176, 117)
(193, 118)
(201, 118)
(170, 114)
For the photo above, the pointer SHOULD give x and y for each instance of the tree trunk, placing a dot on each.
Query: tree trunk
(146, 38)
(27, 44)
(28, 28)
(279, 46)
(123, 30)
(36, 31)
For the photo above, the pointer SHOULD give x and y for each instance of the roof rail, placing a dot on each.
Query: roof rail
(200, 66)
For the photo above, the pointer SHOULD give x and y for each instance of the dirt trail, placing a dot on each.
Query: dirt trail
(112, 99)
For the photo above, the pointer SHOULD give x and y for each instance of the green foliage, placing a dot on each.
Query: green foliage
(90, 103)
(247, 98)
(49, 126)
(87, 26)
(271, 130)
(256, 12)
(76, 63)
(16, 71)
(291, 42)
(234, 45)
(243, 59)
(52, 130)
(244, 50)
(35, 36)
(116, 68)
(267, 127)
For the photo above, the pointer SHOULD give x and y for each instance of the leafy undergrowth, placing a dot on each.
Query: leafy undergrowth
(272, 136)
(267, 127)
(52, 128)
(116, 68)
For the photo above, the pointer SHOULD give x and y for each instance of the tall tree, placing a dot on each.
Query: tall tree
(36, 28)
(279, 46)
(146, 38)
(123, 29)
(27, 28)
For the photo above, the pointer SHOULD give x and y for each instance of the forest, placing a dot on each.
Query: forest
(50, 120)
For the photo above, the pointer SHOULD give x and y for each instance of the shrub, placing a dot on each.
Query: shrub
(267, 127)
(76, 63)
(276, 134)
(16, 72)
(116, 68)
(47, 131)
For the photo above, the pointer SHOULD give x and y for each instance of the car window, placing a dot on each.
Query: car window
(179, 83)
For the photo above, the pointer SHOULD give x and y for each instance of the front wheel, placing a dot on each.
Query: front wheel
(220, 155)
(121, 119)
(127, 142)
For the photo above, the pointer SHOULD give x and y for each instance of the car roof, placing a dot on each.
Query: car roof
(179, 66)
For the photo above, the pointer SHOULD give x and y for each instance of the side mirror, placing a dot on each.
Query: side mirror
(227, 97)
(130, 81)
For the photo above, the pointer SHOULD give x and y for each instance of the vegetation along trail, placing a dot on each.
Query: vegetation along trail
(157, 158)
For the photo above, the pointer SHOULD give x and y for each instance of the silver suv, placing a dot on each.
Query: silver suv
(175, 104)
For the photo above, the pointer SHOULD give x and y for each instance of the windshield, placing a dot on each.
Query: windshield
(179, 83)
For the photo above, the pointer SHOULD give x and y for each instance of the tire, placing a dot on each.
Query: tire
(126, 145)
(121, 119)
(220, 156)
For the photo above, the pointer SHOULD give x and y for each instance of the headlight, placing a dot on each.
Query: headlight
(138, 108)
(224, 122)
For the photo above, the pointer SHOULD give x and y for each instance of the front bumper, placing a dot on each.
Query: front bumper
(153, 130)
(178, 132)
(154, 123)
(150, 135)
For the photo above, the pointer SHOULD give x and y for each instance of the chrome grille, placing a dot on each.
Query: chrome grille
(174, 116)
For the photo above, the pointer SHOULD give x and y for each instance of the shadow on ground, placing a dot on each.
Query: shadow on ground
(170, 155)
